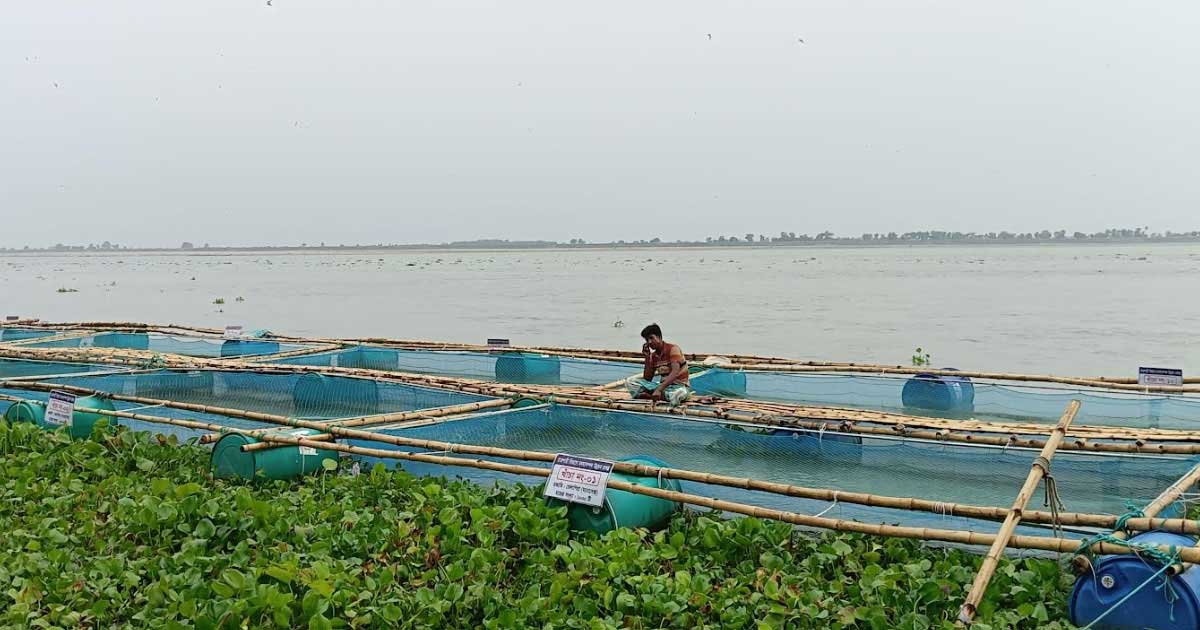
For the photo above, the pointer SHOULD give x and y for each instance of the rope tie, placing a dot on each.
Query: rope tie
(1122, 521)
(831, 505)
(1052, 499)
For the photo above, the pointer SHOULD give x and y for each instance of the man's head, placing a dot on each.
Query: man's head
(653, 336)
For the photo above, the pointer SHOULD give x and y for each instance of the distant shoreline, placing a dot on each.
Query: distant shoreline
(493, 246)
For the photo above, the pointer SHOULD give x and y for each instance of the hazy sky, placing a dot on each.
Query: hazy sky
(234, 122)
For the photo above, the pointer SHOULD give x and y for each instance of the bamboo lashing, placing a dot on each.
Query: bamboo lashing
(1037, 473)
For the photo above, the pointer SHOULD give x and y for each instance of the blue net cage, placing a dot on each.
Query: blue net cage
(937, 471)
(21, 334)
(310, 396)
(505, 367)
(205, 347)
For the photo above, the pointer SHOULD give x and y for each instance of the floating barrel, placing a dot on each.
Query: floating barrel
(320, 396)
(817, 443)
(718, 382)
(626, 509)
(241, 348)
(368, 359)
(229, 461)
(936, 392)
(1116, 577)
(524, 367)
(124, 341)
(185, 386)
(82, 424)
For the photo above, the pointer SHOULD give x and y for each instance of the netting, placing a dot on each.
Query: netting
(172, 344)
(940, 472)
(504, 367)
(20, 334)
(18, 368)
(310, 396)
(154, 427)
(991, 401)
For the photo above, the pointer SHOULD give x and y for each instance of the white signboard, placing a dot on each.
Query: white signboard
(578, 480)
(307, 450)
(1160, 376)
(60, 409)
(233, 332)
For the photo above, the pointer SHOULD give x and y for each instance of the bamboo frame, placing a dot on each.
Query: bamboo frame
(928, 534)
(740, 361)
(811, 418)
(1039, 470)
(1058, 545)
(822, 494)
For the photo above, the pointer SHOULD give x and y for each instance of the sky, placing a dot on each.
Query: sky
(235, 122)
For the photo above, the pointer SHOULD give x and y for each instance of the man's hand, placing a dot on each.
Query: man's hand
(646, 350)
(658, 394)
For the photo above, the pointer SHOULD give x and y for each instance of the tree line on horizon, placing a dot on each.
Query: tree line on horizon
(928, 236)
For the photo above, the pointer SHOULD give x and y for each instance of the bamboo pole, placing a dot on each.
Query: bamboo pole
(1039, 471)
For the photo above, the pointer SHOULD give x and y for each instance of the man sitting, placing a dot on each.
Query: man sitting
(665, 373)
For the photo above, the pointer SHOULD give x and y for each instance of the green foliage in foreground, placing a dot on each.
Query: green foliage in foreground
(131, 534)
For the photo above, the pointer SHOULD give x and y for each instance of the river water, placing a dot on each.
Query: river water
(1065, 309)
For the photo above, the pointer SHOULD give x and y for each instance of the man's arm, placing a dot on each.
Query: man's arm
(648, 366)
(676, 372)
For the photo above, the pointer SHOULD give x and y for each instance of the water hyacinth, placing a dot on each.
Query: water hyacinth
(131, 532)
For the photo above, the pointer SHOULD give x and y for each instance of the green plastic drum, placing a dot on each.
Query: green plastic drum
(626, 509)
(229, 461)
(82, 424)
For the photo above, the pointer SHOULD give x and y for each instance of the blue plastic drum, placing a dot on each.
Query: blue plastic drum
(1116, 577)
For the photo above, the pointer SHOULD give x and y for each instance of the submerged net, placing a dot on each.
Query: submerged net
(504, 367)
(310, 396)
(940, 472)
(172, 344)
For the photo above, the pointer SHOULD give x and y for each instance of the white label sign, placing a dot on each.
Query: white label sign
(308, 450)
(233, 332)
(578, 480)
(60, 409)
(1160, 376)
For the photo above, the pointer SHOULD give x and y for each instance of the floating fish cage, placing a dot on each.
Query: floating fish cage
(923, 394)
(174, 344)
(22, 334)
(769, 440)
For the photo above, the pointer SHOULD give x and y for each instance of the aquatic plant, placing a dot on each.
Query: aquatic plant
(131, 532)
(219, 301)
(920, 358)
(66, 290)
